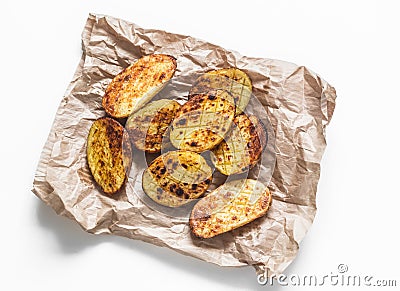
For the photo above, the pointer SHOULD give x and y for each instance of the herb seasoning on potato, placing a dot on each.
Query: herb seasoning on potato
(176, 178)
(148, 125)
(138, 84)
(233, 80)
(243, 147)
(230, 206)
(203, 121)
(109, 154)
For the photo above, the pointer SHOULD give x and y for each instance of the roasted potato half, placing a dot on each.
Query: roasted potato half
(243, 147)
(202, 122)
(148, 125)
(109, 154)
(137, 84)
(230, 206)
(232, 80)
(176, 178)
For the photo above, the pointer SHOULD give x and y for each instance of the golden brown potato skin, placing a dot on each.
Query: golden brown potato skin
(148, 125)
(137, 84)
(233, 80)
(230, 206)
(243, 147)
(176, 178)
(261, 130)
(203, 121)
(109, 154)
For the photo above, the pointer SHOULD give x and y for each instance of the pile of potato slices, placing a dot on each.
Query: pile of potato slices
(212, 121)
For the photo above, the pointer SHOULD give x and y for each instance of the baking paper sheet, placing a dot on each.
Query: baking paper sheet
(299, 105)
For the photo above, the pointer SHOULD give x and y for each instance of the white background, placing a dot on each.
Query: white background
(352, 44)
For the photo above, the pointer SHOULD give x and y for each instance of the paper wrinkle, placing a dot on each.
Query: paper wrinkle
(299, 104)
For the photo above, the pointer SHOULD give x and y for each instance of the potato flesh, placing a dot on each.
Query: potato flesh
(233, 80)
(176, 178)
(203, 121)
(243, 147)
(109, 154)
(228, 207)
(138, 84)
(148, 125)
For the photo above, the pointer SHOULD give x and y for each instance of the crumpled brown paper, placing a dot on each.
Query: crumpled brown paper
(299, 105)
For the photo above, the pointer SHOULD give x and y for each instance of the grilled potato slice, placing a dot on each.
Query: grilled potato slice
(176, 178)
(230, 206)
(242, 149)
(137, 84)
(147, 126)
(109, 154)
(203, 121)
(232, 80)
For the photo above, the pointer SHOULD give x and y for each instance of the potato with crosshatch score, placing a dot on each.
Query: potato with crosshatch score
(230, 206)
(148, 125)
(233, 80)
(176, 178)
(242, 148)
(203, 121)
